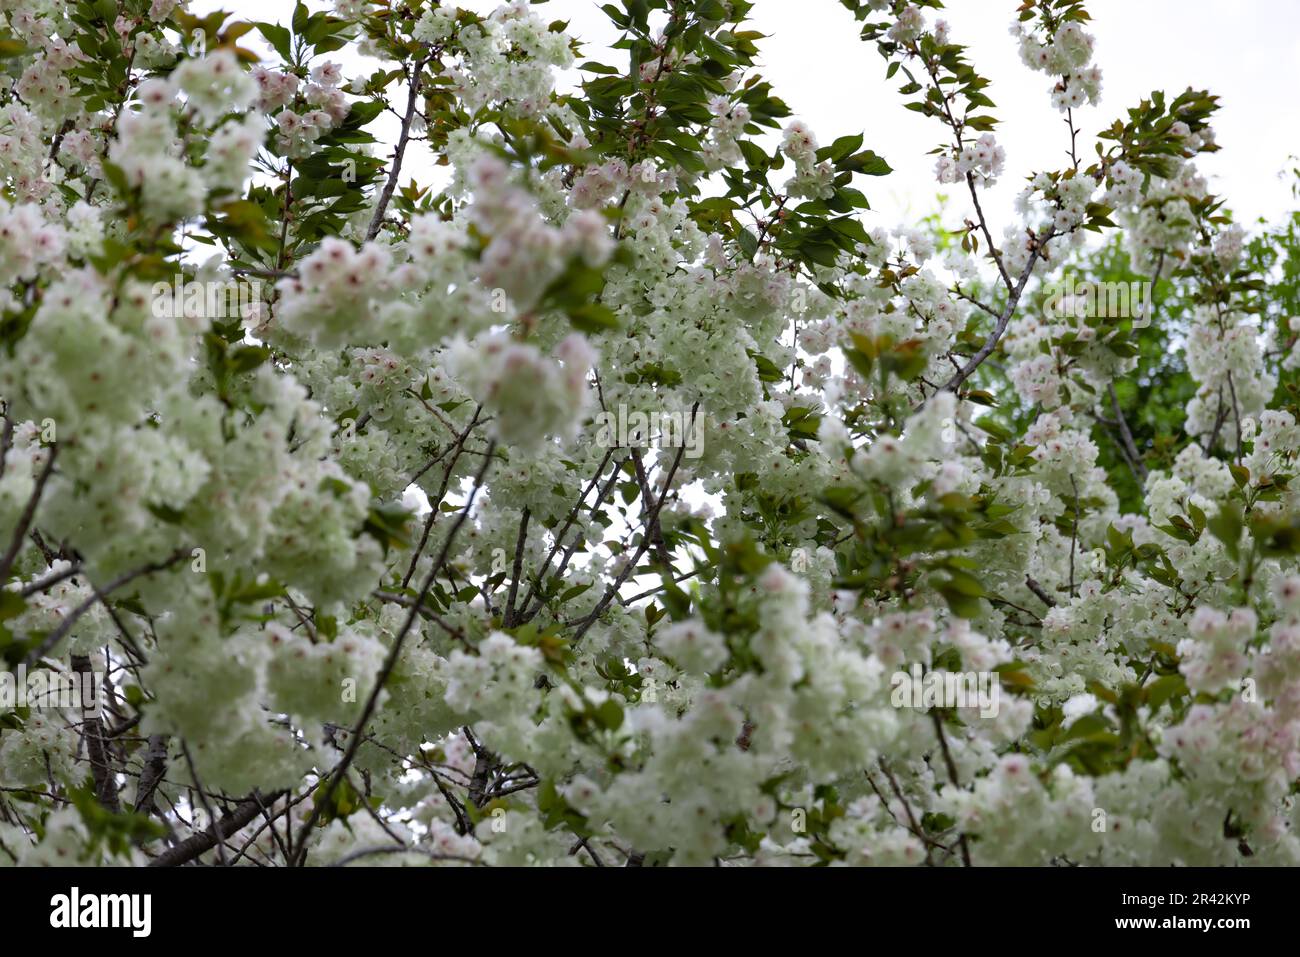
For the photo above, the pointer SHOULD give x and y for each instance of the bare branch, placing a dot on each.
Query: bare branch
(196, 844)
(641, 549)
(514, 575)
(25, 519)
(155, 766)
(1130, 447)
(48, 582)
(58, 634)
(355, 739)
(400, 150)
(92, 732)
(1038, 590)
(952, 776)
(991, 342)
(652, 528)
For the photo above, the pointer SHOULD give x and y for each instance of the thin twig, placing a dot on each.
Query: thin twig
(1000, 327)
(514, 575)
(28, 513)
(1038, 590)
(400, 150)
(390, 662)
(58, 634)
(952, 776)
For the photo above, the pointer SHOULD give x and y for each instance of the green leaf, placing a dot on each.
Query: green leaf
(1226, 526)
(962, 592)
(841, 148)
(1165, 688)
(994, 428)
(12, 604)
(867, 163)
(387, 523)
(610, 715)
(277, 36)
(592, 317)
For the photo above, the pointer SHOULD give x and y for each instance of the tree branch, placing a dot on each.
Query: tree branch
(641, 549)
(514, 575)
(991, 342)
(354, 740)
(952, 776)
(196, 844)
(58, 634)
(1130, 446)
(25, 519)
(92, 732)
(400, 150)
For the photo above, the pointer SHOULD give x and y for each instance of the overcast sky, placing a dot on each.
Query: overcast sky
(1247, 52)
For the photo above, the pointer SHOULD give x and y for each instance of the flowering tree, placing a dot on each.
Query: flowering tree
(620, 496)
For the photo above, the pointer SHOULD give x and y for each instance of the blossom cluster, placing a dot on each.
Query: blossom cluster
(367, 549)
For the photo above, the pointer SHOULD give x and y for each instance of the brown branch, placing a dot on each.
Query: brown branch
(390, 662)
(65, 626)
(1130, 447)
(403, 849)
(912, 824)
(44, 584)
(651, 525)
(458, 447)
(1219, 418)
(400, 150)
(196, 844)
(952, 775)
(641, 549)
(92, 732)
(427, 612)
(207, 805)
(984, 228)
(1236, 414)
(530, 613)
(514, 575)
(484, 761)
(991, 342)
(658, 588)
(25, 519)
(1074, 532)
(6, 438)
(155, 766)
(1038, 590)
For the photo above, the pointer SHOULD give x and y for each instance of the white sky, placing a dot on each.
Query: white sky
(1247, 52)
